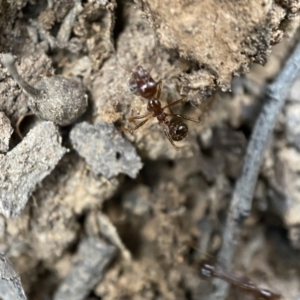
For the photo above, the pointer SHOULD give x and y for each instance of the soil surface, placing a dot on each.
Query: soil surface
(94, 211)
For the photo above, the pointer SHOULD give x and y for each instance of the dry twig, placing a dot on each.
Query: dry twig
(241, 201)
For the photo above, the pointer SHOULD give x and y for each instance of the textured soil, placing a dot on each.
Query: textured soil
(117, 215)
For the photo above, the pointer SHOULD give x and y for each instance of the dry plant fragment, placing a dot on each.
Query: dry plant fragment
(65, 30)
(26, 165)
(93, 257)
(109, 231)
(105, 150)
(55, 98)
(241, 201)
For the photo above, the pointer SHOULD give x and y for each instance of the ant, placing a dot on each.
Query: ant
(141, 83)
(208, 270)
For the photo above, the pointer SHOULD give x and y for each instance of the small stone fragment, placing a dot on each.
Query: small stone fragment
(54, 98)
(5, 132)
(26, 165)
(105, 150)
(93, 257)
(10, 283)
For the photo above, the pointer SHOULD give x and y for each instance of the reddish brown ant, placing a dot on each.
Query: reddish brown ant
(208, 270)
(141, 83)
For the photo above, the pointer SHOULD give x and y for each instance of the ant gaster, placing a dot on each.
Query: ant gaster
(208, 270)
(141, 83)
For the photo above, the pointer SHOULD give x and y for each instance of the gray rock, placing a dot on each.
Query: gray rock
(26, 165)
(10, 283)
(105, 150)
(93, 257)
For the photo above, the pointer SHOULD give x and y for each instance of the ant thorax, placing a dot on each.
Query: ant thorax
(142, 84)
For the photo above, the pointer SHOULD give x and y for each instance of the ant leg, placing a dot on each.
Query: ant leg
(167, 134)
(139, 125)
(175, 102)
(138, 117)
(184, 117)
(159, 89)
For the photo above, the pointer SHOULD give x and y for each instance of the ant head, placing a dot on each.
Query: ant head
(178, 129)
(141, 72)
(142, 84)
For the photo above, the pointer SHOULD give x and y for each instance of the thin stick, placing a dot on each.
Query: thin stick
(65, 30)
(8, 61)
(241, 201)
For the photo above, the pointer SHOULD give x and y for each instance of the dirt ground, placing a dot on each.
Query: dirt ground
(91, 211)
